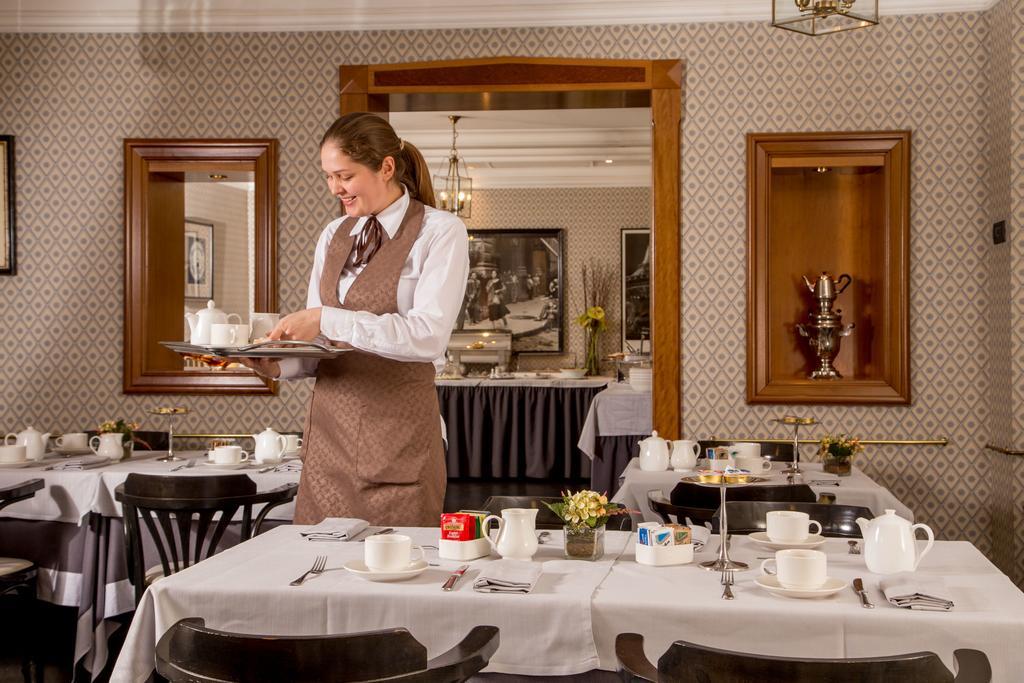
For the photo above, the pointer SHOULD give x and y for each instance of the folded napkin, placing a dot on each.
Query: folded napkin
(336, 529)
(290, 466)
(86, 463)
(916, 592)
(508, 576)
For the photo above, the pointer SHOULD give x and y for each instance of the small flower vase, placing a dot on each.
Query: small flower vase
(837, 464)
(593, 362)
(128, 447)
(584, 543)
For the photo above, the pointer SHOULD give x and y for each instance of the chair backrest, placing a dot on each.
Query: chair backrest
(191, 652)
(838, 521)
(696, 496)
(172, 509)
(546, 519)
(661, 506)
(772, 451)
(685, 662)
(20, 491)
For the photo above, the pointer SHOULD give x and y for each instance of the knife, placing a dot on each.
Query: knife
(858, 588)
(453, 579)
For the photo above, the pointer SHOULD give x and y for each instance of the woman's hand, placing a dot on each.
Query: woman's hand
(267, 367)
(303, 325)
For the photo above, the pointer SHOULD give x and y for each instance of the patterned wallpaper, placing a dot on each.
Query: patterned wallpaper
(592, 218)
(71, 98)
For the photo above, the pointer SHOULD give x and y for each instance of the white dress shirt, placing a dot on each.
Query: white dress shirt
(430, 293)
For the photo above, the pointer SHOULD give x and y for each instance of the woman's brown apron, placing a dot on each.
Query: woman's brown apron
(372, 446)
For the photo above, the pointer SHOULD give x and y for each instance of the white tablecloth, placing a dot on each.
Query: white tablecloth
(570, 621)
(619, 410)
(70, 495)
(856, 489)
(245, 589)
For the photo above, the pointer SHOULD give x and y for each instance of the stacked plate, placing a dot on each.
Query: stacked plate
(640, 379)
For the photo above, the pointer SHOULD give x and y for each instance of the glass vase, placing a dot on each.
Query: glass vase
(128, 448)
(836, 464)
(584, 543)
(593, 361)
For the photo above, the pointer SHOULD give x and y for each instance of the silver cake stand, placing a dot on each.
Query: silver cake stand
(723, 562)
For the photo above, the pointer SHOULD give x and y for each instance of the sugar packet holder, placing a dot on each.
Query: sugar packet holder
(660, 546)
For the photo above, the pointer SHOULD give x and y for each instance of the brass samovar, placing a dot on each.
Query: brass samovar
(826, 328)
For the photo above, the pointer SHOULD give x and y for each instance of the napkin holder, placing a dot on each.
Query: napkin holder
(664, 555)
(463, 550)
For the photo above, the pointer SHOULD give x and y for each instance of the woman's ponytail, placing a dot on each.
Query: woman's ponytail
(417, 174)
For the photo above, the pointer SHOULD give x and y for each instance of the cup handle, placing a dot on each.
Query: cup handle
(245, 457)
(487, 530)
(94, 449)
(283, 442)
(767, 466)
(817, 524)
(931, 541)
(15, 436)
(764, 569)
(298, 442)
(59, 441)
(421, 558)
(236, 316)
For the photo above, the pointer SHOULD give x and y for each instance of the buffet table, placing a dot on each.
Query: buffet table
(569, 622)
(517, 427)
(618, 418)
(857, 489)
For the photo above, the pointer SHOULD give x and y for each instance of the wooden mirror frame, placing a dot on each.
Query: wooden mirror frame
(144, 273)
(368, 87)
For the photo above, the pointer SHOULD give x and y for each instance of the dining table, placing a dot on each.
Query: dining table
(857, 489)
(568, 622)
(617, 419)
(72, 530)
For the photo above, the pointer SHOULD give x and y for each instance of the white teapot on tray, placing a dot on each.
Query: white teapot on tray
(889, 543)
(654, 453)
(33, 441)
(200, 324)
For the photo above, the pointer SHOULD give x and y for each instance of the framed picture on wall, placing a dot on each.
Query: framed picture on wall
(516, 283)
(636, 288)
(7, 243)
(198, 259)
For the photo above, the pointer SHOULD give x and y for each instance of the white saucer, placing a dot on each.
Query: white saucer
(359, 568)
(830, 587)
(761, 538)
(66, 452)
(18, 464)
(225, 466)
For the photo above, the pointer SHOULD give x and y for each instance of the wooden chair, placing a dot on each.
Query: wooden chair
(685, 662)
(18, 581)
(772, 451)
(174, 503)
(190, 652)
(837, 521)
(546, 519)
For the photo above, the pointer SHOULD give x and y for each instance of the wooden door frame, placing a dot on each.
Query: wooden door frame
(367, 87)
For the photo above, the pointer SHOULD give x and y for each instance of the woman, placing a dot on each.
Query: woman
(496, 308)
(388, 281)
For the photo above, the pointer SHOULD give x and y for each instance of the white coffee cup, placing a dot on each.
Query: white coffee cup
(13, 453)
(789, 526)
(227, 334)
(293, 443)
(745, 449)
(262, 323)
(389, 552)
(229, 455)
(754, 464)
(721, 464)
(77, 440)
(798, 568)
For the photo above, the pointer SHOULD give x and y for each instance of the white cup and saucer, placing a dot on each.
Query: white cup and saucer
(13, 457)
(74, 443)
(293, 444)
(788, 529)
(388, 557)
(227, 457)
(799, 573)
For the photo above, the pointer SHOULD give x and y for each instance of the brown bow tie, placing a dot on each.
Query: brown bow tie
(368, 241)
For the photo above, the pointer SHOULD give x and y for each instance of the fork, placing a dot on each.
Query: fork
(727, 581)
(319, 564)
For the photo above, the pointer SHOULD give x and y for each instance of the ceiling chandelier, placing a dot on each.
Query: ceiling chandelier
(453, 188)
(817, 17)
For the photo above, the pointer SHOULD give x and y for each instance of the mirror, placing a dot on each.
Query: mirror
(521, 83)
(200, 226)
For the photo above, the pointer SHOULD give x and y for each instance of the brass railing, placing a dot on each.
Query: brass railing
(941, 441)
(1004, 451)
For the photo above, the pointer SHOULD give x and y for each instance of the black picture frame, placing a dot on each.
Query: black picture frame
(635, 288)
(530, 267)
(8, 248)
(199, 259)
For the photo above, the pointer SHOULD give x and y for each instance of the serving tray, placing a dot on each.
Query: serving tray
(281, 348)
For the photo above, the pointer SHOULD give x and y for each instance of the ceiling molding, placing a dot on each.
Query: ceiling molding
(139, 16)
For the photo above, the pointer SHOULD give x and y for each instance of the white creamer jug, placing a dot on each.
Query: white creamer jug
(517, 533)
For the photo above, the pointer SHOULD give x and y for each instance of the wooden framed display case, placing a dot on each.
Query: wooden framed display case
(836, 203)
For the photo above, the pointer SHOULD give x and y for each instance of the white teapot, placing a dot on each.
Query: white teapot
(517, 533)
(110, 444)
(33, 441)
(889, 543)
(653, 453)
(201, 324)
(684, 454)
(270, 446)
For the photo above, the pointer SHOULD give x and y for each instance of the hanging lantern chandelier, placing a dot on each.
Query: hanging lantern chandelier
(817, 17)
(453, 188)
